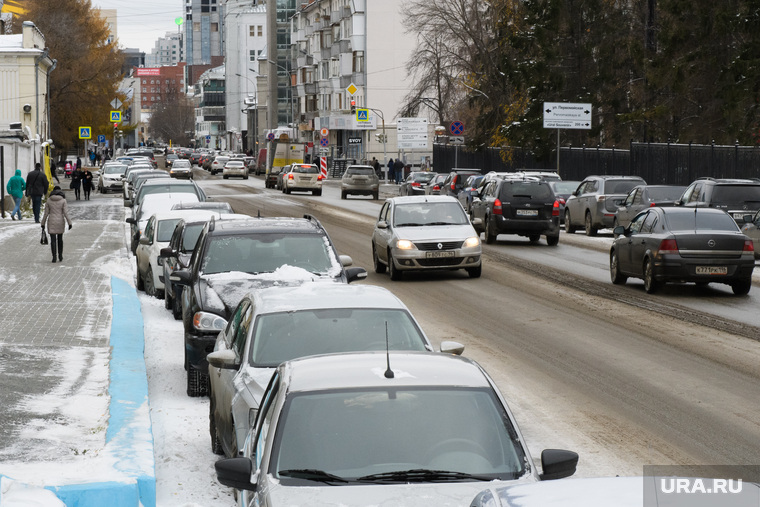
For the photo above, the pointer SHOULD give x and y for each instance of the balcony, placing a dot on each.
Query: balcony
(299, 35)
(310, 88)
(326, 53)
(345, 12)
(305, 61)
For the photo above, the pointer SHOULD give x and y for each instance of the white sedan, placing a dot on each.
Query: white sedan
(235, 167)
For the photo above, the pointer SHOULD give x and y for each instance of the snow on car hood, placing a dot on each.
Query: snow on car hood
(223, 291)
(436, 232)
(385, 495)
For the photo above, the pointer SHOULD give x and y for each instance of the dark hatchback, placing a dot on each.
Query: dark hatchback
(232, 258)
(526, 207)
(682, 245)
(415, 183)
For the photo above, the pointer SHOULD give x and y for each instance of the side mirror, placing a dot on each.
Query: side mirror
(223, 359)
(181, 276)
(354, 274)
(747, 219)
(131, 220)
(167, 252)
(382, 224)
(345, 260)
(128, 203)
(557, 464)
(235, 473)
(451, 347)
(144, 240)
(477, 221)
(619, 231)
(679, 202)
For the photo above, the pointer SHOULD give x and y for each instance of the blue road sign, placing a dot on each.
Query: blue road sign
(270, 136)
(456, 128)
(325, 141)
(208, 138)
(115, 116)
(101, 138)
(362, 115)
(84, 133)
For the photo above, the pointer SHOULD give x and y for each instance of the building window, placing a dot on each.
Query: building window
(214, 27)
(251, 31)
(260, 30)
(152, 81)
(252, 55)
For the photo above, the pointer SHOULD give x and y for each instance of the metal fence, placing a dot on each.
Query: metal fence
(657, 163)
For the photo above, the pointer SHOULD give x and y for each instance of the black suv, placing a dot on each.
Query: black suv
(234, 257)
(455, 181)
(522, 206)
(736, 197)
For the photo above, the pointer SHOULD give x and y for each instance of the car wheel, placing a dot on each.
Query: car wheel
(650, 284)
(216, 443)
(475, 272)
(534, 238)
(379, 266)
(225, 177)
(343, 194)
(742, 288)
(590, 229)
(317, 192)
(393, 271)
(615, 276)
(552, 240)
(376, 195)
(245, 177)
(168, 303)
(489, 233)
(197, 383)
(177, 306)
(568, 225)
(140, 285)
(150, 287)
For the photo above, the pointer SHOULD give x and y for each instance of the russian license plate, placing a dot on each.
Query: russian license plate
(527, 213)
(711, 270)
(439, 255)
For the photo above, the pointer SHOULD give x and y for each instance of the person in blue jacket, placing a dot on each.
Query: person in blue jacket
(15, 188)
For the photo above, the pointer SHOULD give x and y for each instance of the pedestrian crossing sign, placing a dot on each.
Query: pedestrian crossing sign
(115, 116)
(362, 114)
(85, 132)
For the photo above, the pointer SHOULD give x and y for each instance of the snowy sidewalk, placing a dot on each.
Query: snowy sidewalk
(64, 426)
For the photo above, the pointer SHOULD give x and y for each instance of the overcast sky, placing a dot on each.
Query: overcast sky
(141, 22)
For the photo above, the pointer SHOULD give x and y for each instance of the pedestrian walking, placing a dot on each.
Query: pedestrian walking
(55, 217)
(76, 183)
(376, 166)
(87, 183)
(79, 162)
(15, 188)
(92, 158)
(398, 170)
(53, 174)
(36, 187)
(391, 175)
(67, 169)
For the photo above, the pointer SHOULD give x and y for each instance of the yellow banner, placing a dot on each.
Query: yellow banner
(13, 7)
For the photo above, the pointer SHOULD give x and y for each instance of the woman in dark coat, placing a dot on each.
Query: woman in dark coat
(56, 215)
(76, 182)
(86, 183)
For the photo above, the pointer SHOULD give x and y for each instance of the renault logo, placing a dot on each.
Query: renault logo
(711, 243)
(440, 245)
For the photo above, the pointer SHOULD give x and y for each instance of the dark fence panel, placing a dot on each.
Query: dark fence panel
(657, 163)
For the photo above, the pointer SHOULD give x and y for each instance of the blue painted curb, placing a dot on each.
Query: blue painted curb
(129, 437)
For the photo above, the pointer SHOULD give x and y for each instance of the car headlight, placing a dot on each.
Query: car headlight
(205, 321)
(404, 244)
(471, 242)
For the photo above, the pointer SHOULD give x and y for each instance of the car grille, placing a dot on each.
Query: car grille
(448, 261)
(445, 245)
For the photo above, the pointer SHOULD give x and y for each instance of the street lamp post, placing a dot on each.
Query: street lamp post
(385, 140)
(247, 111)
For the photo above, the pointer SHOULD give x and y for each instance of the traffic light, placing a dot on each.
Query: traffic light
(353, 106)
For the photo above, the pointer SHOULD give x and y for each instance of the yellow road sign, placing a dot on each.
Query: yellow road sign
(115, 116)
(85, 132)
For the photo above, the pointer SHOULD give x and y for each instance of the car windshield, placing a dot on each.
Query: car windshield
(406, 434)
(665, 193)
(533, 190)
(732, 195)
(429, 213)
(305, 169)
(279, 337)
(181, 163)
(165, 229)
(264, 253)
(690, 221)
(620, 186)
(164, 188)
(115, 169)
(191, 235)
(360, 171)
(422, 177)
(564, 187)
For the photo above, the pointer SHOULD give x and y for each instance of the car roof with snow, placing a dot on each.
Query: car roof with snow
(423, 198)
(316, 296)
(264, 225)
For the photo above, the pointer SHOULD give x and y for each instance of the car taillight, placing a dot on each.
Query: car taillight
(555, 209)
(600, 198)
(748, 246)
(561, 200)
(290, 176)
(652, 204)
(497, 207)
(668, 246)
(415, 184)
(436, 187)
(320, 177)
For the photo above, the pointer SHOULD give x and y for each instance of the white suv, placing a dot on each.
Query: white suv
(305, 177)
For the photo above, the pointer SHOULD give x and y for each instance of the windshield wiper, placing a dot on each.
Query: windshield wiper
(409, 225)
(441, 223)
(422, 475)
(312, 474)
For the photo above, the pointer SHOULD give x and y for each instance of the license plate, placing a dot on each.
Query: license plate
(711, 270)
(438, 255)
(738, 215)
(527, 213)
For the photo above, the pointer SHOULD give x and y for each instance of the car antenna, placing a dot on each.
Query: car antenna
(695, 219)
(388, 371)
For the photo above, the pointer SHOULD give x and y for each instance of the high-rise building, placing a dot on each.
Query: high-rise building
(203, 37)
(167, 51)
(110, 16)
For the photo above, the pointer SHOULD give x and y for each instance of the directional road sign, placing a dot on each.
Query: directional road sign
(101, 138)
(362, 114)
(85, 132)
(456, 128)
(412, 133)
(115, 116)
(567, 115)
(325, 142)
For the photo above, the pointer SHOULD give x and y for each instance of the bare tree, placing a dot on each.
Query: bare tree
(172, 118)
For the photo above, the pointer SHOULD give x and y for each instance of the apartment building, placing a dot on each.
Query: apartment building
(167, 51)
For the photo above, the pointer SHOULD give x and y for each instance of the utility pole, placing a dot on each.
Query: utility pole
(272, 109)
